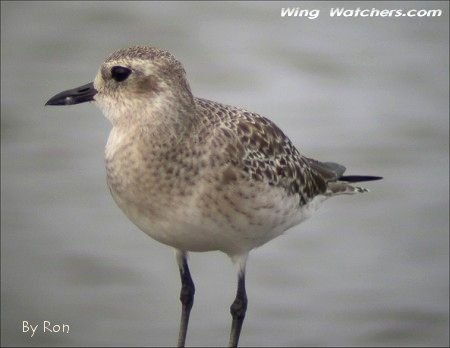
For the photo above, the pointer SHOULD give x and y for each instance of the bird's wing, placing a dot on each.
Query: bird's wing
(264, 152)
(330, 171)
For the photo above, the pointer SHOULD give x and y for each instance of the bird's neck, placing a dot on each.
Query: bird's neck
(165, 117)
(147, 138)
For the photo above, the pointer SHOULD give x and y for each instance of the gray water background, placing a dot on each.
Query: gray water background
(371, 93)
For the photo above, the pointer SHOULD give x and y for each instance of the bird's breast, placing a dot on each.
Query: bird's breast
(147, 173)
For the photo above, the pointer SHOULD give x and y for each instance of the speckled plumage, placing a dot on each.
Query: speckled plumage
(196, 174)
(219, 172)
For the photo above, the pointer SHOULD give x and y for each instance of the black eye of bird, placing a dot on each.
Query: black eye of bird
(120, 73)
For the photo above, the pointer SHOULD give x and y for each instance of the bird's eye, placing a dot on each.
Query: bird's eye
(120, 73)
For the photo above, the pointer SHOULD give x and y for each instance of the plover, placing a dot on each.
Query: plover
(198, 175)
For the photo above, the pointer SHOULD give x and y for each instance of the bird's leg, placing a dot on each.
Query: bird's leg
(239, 306)
(186, 295)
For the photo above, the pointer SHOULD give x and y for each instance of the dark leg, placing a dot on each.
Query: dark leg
(186, 295)
(238, 309)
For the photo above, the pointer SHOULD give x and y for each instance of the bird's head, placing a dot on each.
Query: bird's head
(136, 82)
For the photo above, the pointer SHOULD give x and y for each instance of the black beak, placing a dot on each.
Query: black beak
(77, 95)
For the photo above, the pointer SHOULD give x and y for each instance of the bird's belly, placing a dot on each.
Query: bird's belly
(233, 221)
(180, 227)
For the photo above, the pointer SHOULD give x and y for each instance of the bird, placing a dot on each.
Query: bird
(198, 175)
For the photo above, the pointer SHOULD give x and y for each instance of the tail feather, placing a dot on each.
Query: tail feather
(342, 188)
(331, 171)
(343, 185)
(338, 183)
(359, 178)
